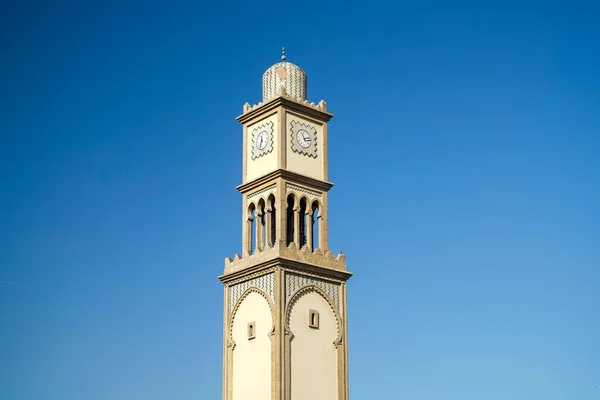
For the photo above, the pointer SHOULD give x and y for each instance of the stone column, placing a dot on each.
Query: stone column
(268, 223)
(259, 231)
(309, 230)
(323, 232)
(247, 244)
(297, 226)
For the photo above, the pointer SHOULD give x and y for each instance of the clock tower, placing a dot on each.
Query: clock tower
(285, 325)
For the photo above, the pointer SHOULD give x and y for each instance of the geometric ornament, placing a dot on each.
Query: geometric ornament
(293, 282)
(262, 140)
(266, 283)
(303, 138)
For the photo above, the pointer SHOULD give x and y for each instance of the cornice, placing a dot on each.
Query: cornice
(316, 111)
(295, 266)
(289, 176)
(263, 266)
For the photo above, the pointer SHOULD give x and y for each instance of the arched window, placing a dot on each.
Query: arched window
(314, 220)
(289, 229)
(302, 224)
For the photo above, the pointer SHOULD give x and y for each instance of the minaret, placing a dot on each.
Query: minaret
(285, 326)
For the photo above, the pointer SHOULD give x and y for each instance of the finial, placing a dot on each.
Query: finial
(283, 57)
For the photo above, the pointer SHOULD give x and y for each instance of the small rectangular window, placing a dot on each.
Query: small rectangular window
(251, 328)
(313, 319)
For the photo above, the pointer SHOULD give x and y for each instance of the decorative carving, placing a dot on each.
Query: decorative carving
(317, 257)
(264, 282)
(261, 191)
(294, 281)
(312, 193)
(321, 106)
(266, 254)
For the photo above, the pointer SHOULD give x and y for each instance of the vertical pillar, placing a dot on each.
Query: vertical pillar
(321, 236)
(259, 230)
(297, 225)
(281, 211)
(225, 342)
(309, 230)
(279, 323)
(323, 233)
(268, 223)
(247, 244)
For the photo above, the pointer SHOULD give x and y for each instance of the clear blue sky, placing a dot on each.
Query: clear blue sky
(464, 150)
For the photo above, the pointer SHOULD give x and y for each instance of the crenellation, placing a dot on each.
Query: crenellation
(290, 252)
(321, 105)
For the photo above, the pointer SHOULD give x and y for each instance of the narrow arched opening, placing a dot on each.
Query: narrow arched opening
(302, 222)
(314, 220)
(289, 221)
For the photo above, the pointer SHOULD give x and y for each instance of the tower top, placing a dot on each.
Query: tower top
(286, 74)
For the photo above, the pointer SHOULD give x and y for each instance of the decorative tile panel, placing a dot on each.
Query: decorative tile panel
(265, 282)
(293, 282)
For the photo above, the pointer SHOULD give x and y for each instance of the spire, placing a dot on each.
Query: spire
(283, 57)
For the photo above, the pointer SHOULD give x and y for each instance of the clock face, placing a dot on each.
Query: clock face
(303, 138)
(261, 140)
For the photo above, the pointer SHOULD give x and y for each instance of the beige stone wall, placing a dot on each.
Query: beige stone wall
(313, 355)
(267, 162)
(301, 163)
(252, 358)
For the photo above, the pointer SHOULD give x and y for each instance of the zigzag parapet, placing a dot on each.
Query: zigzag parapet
(290, 252)
(321, 106)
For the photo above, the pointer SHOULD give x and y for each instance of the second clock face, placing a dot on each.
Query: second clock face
(261, 140)
(303, 138)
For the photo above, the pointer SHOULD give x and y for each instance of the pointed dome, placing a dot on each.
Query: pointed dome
(285, 74)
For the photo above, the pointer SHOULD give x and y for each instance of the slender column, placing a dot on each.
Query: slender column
(297, 226)
(268, 222)
(259, 230)
(309, 230)
(247, 244)
(323, 232)
(281, 211)
(321, 235)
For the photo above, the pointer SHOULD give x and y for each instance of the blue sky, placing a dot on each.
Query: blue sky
(464, 152)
